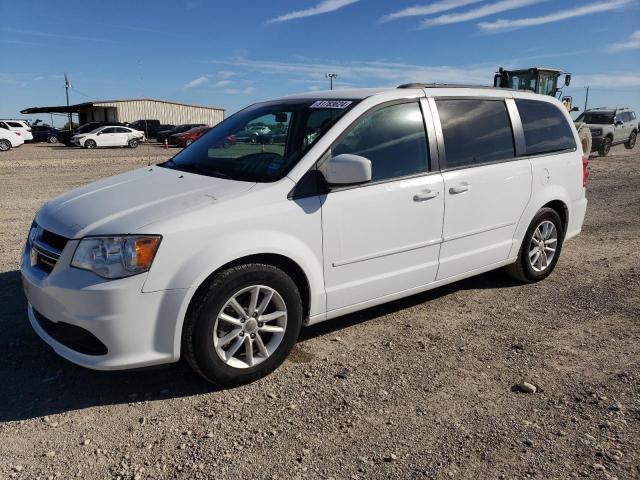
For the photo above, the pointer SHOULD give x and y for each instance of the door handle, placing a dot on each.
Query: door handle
(463, 187)
(425, 195)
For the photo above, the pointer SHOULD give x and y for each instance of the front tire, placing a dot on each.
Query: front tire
(629, 144)
(90, 144)
(244, 324)
(605, 147)
(52, 139)
(133, 143)
(540, 249)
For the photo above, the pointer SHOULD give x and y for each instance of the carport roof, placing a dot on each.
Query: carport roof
(58, 109)
(101, 103)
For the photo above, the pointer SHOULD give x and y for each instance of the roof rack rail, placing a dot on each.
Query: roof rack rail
(449, 85)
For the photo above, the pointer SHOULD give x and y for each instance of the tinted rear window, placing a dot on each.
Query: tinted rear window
(475, 131)
(546, 129)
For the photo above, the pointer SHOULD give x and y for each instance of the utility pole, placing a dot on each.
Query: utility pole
(331, 76)
(586, 99)
(67, 85)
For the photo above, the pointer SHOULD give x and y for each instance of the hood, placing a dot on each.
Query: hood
(127, 202)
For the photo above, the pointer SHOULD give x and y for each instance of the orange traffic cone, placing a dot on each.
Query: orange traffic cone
(165, 145)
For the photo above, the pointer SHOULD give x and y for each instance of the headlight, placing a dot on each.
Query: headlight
(116, 257)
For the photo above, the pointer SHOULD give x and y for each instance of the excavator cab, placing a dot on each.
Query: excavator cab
(539, 80)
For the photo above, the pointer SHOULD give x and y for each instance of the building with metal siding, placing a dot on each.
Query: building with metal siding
(137, 109)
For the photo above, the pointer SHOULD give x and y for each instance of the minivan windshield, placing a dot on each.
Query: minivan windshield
(596, 118)
(262, 142)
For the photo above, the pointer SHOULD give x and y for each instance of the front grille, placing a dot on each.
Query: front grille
(71, 336)
(53, 239)
(44, 262)
(46, 250)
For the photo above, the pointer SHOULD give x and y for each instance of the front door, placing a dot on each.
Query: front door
(383, 237)
(107, 137)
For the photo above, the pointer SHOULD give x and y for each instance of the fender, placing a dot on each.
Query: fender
(538, 200)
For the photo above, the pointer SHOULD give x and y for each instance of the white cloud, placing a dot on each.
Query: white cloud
(239, 91)
(226, 74)
(359, 73)
(482, 11)
(325, 6)
(608, 80)
(423, 10)
(197, 82)
(632, 44)
(504, 25)
(223, 83)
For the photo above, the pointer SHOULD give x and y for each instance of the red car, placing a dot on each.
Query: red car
(185, 139)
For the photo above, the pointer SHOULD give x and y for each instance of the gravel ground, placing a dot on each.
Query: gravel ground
(422, 387)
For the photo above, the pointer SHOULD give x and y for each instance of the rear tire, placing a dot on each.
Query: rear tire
(605, 147)
(532, 265)
(255, 350)
(52, 139)
(90, 144)
(629, 144)
(5, 145)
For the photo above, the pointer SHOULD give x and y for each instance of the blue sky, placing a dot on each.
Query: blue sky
(230, 54)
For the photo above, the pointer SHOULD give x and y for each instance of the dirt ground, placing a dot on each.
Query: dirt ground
(428, 381)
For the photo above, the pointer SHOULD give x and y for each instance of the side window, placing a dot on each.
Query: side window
(15, 125)
(475, 132)
(109, 130)
(632, 115)
(545, 127)
(393, 138)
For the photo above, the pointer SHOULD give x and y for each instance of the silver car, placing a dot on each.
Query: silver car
(609, 127)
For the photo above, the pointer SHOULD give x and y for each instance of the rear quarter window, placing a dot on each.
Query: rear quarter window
(546, 129)
(15, 124)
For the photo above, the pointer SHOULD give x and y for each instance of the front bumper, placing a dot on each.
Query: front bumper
(137, 329)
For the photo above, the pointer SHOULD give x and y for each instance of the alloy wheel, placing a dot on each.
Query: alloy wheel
(543, 245)
(250, 326)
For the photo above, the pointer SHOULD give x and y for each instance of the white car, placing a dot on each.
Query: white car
(9, 139)
(221, 254)
(18, 126)
(109, 137)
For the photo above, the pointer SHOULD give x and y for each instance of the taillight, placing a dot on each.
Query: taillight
(28, 129)
(17, 133)
(585, 171)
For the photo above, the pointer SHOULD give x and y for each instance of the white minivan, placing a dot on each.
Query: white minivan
(221, 254)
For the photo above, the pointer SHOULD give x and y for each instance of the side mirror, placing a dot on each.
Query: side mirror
(575, 109)
(619, 122)
(347, 169)
(567, 80)
(99, 133)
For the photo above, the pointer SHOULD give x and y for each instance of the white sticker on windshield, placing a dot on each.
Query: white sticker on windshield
(331, 104)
